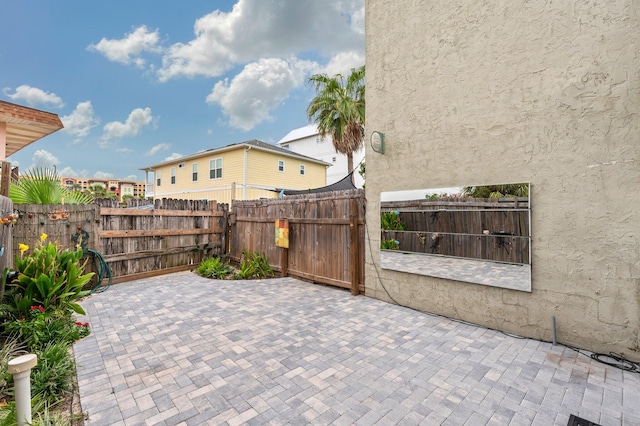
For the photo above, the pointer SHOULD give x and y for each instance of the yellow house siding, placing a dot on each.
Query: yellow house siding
(262, 169)
(261, 175)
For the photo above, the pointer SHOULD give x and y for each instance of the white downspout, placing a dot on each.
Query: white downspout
(246, 157)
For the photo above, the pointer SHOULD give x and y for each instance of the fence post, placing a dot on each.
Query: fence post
(5, 180)
(284, 261)
(354, 246)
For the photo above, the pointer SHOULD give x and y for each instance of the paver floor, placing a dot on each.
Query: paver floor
(184, 350)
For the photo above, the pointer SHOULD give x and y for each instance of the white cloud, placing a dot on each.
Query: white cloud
(33, 96)
(260, 87)
(255, 29)
(343, 63)
(128, 49)
(103, 175)
(157, 148)
(132, 177)
(137, 120)
(80, 122)
(43, 160)
(69, 172)
(173, 156)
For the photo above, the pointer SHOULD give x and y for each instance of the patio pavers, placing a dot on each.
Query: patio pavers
(184, 350)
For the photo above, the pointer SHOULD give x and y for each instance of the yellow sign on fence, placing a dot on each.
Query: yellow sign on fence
(282, 233)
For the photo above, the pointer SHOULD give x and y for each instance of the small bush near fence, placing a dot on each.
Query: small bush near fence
(252, 266)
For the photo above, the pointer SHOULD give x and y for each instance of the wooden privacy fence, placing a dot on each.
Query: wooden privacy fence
(326, 235)
(136, 242)
(475, 228)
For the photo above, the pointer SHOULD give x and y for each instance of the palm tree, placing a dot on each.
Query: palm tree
(99, 191)
(43, 186)
(338, 110)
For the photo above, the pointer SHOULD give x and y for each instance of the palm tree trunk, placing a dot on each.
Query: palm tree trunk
(350, 162)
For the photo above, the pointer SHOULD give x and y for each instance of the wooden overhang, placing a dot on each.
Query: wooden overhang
(25, 125)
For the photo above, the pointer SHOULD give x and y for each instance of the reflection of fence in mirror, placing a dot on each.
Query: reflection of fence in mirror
(461, 229)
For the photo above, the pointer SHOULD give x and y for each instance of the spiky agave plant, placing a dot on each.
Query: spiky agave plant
(43, 186)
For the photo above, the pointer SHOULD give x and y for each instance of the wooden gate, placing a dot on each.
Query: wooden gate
(326, 235)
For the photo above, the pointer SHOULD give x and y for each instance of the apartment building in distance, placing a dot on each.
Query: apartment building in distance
(119, 187)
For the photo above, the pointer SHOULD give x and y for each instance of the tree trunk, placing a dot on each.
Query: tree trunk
(350, 162)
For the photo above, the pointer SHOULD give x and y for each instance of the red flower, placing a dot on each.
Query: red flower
(37, 308)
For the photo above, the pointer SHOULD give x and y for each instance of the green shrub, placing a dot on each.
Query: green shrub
(214, 267)
(40, 328)
(391, 221)
(390, 244)
(253, 265)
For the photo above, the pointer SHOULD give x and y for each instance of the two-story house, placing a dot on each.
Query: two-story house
(307, 141)
(241, 171)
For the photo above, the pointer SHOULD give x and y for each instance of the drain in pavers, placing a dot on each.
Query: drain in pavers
(577, 421)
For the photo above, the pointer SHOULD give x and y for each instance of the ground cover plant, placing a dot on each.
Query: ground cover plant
(38, 302)
(252, 266)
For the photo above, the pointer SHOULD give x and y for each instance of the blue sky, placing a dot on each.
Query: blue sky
(140, 82)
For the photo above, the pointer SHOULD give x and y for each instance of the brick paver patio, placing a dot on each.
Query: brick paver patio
(184, 350)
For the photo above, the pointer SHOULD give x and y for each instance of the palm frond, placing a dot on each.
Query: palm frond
(43, 186)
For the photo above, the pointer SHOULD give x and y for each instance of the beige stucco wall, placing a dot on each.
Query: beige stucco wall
(474, 92)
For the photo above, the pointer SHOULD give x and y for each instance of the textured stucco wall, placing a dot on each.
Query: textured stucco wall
(477, 92)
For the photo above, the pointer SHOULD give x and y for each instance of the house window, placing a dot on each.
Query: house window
(318, 140)
(173, 176)
(158, 178)
(280, 165)
(194, 172)
(215, 169)
(333, 159)
(302, 169)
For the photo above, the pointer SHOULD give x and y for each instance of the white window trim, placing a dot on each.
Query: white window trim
(281, 162)
(214, 161)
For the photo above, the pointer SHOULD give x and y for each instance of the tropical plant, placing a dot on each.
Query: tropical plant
(497, 191)
(253, 265)
(43, 186)
(390, 244)
(50, 277)
(99, 191)
(339, 110)
(391, 221)
(213, 267)
(363, 170)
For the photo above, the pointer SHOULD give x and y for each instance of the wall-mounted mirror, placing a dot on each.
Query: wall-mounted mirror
(477, 234)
